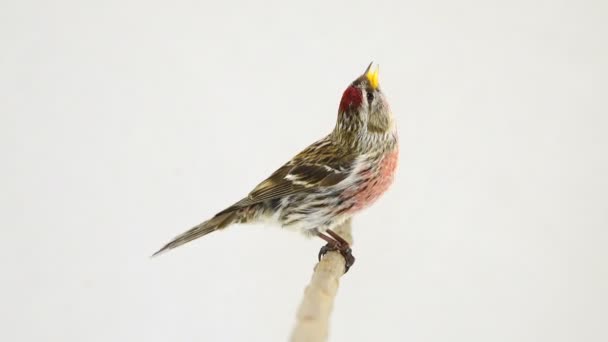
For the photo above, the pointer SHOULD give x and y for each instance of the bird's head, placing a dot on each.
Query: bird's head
(364, 108)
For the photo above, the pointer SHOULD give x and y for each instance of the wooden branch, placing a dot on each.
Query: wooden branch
(312, 318)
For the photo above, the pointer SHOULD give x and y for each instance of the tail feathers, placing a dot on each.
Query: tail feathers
(221, 220)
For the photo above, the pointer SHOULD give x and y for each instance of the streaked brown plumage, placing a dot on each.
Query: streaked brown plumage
(327, 182)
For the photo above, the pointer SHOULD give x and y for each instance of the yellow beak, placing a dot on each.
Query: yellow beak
(372, 76)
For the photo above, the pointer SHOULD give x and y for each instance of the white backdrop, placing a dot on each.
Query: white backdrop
(123, 123)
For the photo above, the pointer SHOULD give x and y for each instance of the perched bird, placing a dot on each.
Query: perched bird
(329, 181)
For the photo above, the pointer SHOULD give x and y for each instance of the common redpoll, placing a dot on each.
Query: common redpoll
(327, 182)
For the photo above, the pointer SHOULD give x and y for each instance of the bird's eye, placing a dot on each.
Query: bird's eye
(370, 97)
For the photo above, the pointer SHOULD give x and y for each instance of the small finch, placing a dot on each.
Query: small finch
(329, 181)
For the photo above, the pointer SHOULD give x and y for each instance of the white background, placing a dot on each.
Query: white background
(123, 123)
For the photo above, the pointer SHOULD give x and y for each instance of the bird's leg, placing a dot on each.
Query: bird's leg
(337, 237)
(332, 245)
(344, 249)
(336, 243)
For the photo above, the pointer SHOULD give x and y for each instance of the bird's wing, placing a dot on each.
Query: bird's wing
(319, 166)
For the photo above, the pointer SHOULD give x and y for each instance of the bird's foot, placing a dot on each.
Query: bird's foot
(343, 249)
(349, 259)
(329, 247)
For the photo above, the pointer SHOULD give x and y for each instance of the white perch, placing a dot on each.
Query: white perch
(312, 318)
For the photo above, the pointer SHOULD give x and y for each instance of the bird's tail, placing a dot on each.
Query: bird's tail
(219, 221)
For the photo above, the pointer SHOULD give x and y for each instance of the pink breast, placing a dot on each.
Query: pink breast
(376, 184)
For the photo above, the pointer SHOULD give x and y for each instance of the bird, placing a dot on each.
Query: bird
(329, 181)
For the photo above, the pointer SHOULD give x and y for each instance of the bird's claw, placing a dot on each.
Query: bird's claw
(330, 247)
(345, 251)
(349, 259)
